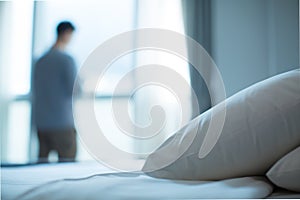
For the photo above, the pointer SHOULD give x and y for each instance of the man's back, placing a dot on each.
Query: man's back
(53, 80)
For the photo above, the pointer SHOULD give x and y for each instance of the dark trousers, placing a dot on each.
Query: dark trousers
(61, 141)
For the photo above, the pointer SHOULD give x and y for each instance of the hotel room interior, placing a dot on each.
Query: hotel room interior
(180, 99)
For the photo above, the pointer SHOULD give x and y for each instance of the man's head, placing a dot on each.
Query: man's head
(64, 31)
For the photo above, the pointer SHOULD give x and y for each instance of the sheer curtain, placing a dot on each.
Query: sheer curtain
(196, 14)
(16, 18)
(166, 14)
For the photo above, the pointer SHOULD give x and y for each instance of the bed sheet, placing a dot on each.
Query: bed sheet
(95, 181)
(16, 180)
(284, 194)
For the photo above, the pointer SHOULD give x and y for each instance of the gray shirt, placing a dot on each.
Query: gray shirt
(53, 80)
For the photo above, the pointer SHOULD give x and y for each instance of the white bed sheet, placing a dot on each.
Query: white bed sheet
(16, 180)
(93, 181)
(284, 194)
(139, 186)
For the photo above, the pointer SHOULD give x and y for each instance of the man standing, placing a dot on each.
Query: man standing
(53, 80)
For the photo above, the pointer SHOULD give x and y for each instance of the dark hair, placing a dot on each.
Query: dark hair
(64, 26)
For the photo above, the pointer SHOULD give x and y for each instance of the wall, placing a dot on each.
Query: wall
(254, 39)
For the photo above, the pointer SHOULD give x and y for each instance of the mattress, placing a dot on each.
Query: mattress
(90, 180)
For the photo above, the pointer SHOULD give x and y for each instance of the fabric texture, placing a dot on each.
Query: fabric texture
(195, 11)
(286, 172)
(261, 126)
(17, 180)
(140, 186)
(53, 79)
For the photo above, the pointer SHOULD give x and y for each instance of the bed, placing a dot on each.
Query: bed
(92, 180)
(258, 148)
(42, 181)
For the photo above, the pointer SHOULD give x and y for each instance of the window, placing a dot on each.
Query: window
(95, 21)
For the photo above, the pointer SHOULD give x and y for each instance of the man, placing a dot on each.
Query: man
(53, 81)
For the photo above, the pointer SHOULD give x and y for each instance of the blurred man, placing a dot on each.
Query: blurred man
(53, 81)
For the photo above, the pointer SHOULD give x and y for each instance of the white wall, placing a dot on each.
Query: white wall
(254, 39)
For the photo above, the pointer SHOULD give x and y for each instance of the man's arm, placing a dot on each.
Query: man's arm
(70, 73)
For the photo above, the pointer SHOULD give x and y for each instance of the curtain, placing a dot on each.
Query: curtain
(197, 23)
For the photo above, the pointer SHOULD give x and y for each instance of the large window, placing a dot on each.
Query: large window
(95, 21)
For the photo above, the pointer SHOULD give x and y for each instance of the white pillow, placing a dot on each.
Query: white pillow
(262, 124)
(286, 172)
